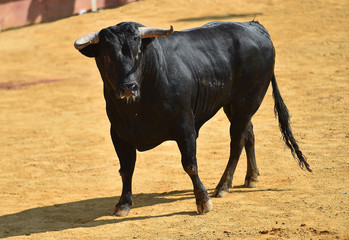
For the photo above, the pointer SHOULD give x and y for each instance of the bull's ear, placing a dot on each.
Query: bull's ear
(145, 43)
(90, 50)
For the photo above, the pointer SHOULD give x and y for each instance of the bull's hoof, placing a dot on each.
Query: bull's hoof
(205, 207)
(121, 210)
(251, 183)
(219, 193)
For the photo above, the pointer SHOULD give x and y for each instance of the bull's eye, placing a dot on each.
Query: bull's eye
(107, 59)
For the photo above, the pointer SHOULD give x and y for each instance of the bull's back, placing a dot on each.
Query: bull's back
(218, 64)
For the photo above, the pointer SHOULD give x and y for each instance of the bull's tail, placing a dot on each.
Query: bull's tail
(281, 112)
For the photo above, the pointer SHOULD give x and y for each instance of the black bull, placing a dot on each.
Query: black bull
(162, 85)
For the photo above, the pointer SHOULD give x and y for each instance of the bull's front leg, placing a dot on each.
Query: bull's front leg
(127, 159)
(187, 147)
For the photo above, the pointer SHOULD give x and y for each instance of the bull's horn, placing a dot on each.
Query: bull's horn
(84, 41)
(147, 32)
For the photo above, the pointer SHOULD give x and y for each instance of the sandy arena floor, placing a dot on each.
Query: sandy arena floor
(59, 173)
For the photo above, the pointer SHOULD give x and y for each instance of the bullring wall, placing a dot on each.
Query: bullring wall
(17, 13)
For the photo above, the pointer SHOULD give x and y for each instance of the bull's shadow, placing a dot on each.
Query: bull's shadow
(219, 17)
(82, 214)
(85, 213)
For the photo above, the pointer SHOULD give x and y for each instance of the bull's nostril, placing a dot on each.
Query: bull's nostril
(132, 87)
(122, 91)
(128, 90)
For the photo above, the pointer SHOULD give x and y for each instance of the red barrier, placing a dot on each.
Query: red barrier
(17, 13)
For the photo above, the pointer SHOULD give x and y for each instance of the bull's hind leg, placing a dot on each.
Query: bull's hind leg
(238, 126)
(251, 179)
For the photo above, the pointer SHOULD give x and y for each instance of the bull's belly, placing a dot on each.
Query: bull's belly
(147, 144)
(144, 135)
(155, 125)
(145, 147)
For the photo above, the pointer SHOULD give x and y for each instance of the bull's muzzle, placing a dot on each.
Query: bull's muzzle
(128, 91)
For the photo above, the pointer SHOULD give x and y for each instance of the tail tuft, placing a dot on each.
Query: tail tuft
(281, 112)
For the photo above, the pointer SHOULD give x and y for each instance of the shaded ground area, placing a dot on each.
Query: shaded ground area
(59, 173)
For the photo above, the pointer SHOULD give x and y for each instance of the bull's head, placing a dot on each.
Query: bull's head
(116, 50)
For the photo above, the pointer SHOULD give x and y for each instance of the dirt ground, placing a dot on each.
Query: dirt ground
(59, 172)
